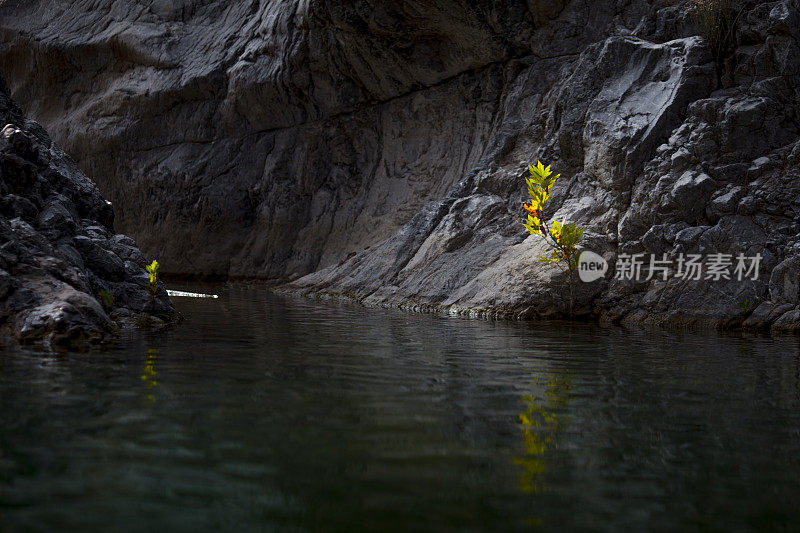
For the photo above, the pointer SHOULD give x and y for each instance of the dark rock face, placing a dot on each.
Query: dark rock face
(377, 148)
(57, 249)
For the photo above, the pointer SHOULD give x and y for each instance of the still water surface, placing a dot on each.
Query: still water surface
(263, 412)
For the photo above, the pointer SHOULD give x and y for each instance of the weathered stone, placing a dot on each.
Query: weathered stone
(15, 206)
(55, 216)
(14, 140)
(125, 248)
(680, 160)
(655, 241)
(785, 281)
(74, 318)
(7, 284)
(690, 236)
(48, 287)
(725, 201)
(691, 192)
(101, 261)
(747, 206)
(788, 322)
(671, 230)
(765, 314)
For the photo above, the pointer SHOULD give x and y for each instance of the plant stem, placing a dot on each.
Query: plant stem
(570, 287)
(558, 246)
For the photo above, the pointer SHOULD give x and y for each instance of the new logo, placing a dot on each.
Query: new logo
(591, 266)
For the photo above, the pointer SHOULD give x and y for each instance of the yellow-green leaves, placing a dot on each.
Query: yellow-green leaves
(566, 234)
(152, 284)
(539, 184)
(532, 225)
(106, 298)
(565, 237)
(555, 230)
(152, 269)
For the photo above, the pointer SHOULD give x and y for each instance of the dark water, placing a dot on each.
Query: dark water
(264, 413)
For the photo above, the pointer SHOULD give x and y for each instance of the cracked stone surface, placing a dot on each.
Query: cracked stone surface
(376, 149)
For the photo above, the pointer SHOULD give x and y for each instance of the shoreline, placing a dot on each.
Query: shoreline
(604, 318)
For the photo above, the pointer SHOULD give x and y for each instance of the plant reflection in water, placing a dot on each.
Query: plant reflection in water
(540, 424)
(149, 375)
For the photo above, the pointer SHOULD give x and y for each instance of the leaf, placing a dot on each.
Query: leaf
(152, 268)
(107, 298)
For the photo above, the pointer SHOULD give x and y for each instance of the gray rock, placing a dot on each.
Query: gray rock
(747, 206)
(17, 142)
(71, 255)
(761, 163)
(655, 241)
(788, 322)
(690, 236)
(102, 262)
(734, 173)
(96, 233)
(671, 230)
(48, 287)
(765, 315)
(725, 201)
(16, 206)
(691, 192)
(73, 319)
(680, 160)
(56, 216)
(785, 281)
(125, 248)
(7, 284)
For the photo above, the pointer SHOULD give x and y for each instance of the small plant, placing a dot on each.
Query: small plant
(745, 305)
(716, 22)
(152, 284)
(106, 299)
(562, 237)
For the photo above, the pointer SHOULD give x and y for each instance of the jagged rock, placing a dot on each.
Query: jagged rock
(690, 236)
(66, 317)
(51, 277)
(725, 201)
(788, 322)
(55, 216)
(785, 281)
(690, 195)
(655, 240)
(14, 142)
(765, 315)
(680, 160)
(377, 149)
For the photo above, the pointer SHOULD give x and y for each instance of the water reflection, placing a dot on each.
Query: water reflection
(540, 424)
(149, 375)
(278, 414)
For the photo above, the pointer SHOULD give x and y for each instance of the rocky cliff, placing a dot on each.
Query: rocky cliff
(65, 277)
(376, 149)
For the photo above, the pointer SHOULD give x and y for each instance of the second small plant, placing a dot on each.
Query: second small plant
(152, 283)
